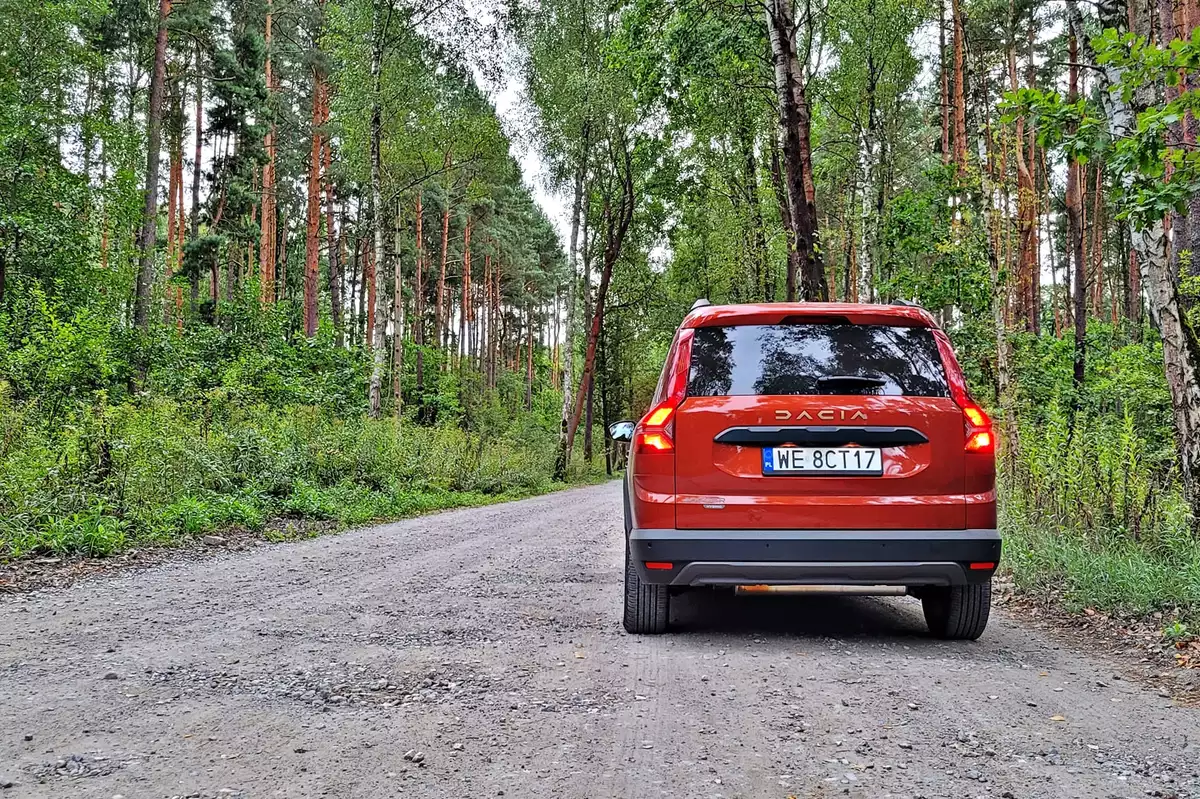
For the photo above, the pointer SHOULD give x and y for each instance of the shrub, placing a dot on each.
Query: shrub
(111, 477)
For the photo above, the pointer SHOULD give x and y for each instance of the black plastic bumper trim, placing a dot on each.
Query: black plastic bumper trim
(816, 557)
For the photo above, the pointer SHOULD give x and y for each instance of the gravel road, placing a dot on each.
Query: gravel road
(479, 653)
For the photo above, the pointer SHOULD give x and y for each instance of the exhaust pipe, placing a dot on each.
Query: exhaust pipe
(858, 590)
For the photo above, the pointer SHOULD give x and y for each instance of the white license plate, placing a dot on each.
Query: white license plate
(822, 460)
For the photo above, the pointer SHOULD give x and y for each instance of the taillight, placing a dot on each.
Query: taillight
(656, 431)
(655, 442)
(980, 437)
(977, 427)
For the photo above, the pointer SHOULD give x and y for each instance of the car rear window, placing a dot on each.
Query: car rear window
(749, 360)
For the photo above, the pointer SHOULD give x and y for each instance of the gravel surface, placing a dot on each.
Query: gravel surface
(479, 653)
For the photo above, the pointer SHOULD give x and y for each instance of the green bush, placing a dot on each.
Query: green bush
(109, 477)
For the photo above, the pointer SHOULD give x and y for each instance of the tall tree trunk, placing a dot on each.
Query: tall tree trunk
(562, 454)
(605, 414)
(379, 309)
(419, 247)
(149, 232)
(1133, 302)
(616, 225)
(756, 240)
(418, 325)
(485, 354)
(1027, 263)
(587, 417)
(1074, 201)
(960, 103)
(468, 302)
(312, 239)
(175, 158)
(850, 251)
(1035, 251)
(173, 310)
(353, 336)
(785, 217)
(332, 238)
(267, 238)
(464, 349)
(869, 169)
(794, 126)
(498, 320)
(945, 82)
(1097, 269)
(398, 318)
(197, 172)
(529, 355)
(370, 292)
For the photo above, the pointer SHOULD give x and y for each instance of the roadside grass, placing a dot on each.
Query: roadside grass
(115, 478)
(1105, 575)
(1096, 518)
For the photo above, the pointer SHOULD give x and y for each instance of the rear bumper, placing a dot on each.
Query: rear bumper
(815, 557)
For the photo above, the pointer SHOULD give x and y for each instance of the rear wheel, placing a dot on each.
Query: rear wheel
(957, 612)
(647, 607)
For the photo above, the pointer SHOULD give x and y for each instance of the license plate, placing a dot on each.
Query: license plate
(822, 460)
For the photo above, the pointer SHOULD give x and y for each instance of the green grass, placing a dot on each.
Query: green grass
(1097, 518)
(119, 477)
(1110, 575)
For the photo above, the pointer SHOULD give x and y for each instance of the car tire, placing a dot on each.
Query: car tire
(957, 612)
(647, 607)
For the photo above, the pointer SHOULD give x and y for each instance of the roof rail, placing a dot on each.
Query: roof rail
(700, 303)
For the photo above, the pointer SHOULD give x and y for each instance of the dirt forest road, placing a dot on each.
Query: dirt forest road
(487, 645)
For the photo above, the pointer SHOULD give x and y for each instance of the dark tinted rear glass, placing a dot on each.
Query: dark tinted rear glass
(793, 359)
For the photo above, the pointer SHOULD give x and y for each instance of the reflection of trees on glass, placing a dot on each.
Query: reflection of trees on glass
(791, 359)
(712, 362)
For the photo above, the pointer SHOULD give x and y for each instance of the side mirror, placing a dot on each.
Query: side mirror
(621, 431)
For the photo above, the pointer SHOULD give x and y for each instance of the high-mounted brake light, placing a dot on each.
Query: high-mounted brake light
(656, 431)
(977, 427)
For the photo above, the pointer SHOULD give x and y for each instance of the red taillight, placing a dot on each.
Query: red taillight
(977, 427)
(978, 430)
(981, 441)
(658, 565)
(656, 431)
(976, 416)
(660, 416)
(655, 442)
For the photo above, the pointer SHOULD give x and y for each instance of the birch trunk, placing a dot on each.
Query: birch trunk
(1181, 351)
(378, 309)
